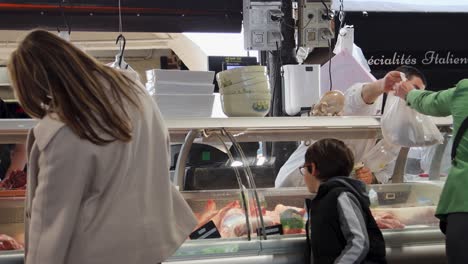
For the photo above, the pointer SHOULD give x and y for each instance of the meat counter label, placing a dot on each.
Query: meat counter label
(206, 231)
(271, 230)
(430, 57)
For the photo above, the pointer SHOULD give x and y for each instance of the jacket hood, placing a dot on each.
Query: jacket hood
(356, 187)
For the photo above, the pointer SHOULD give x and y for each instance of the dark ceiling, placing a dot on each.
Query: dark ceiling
(137, 15)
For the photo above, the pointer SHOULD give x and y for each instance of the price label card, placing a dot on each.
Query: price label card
(208, 230)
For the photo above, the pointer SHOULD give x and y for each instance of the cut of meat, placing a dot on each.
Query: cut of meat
(16, 180)
(208, 212)
(274, 216)
(8, 243)
(386, 220)
(281, 208)
(406, 216)
(218, 218)
(233, 223)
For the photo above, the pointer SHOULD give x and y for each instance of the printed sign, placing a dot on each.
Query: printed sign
(208, 230)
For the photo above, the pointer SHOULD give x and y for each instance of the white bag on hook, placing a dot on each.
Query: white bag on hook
(126, 68)
(347, 67)
(120, 64)
(405, 127)
(64, 35)
(345, 42)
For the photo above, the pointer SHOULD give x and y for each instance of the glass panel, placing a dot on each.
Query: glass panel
(209, 167)
(407, 205)
(395, 206)
(422, 160)
(12, 192)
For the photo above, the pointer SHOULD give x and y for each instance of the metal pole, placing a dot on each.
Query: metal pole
(400, 166)
(434, 170)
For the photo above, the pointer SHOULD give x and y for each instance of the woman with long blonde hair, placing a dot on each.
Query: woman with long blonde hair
(98, 172)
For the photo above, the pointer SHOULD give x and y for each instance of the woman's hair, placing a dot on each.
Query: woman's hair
(50, 75)
(331, 157)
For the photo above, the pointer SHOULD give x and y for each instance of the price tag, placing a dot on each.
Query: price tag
(208, 230)
(271, 230)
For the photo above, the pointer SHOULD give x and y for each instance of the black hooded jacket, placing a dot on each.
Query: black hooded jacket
(341, 228)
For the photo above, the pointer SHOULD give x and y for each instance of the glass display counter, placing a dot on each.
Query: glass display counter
(226, 169)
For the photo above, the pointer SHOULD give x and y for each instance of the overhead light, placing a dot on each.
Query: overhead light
(236, 163)
(260, 161)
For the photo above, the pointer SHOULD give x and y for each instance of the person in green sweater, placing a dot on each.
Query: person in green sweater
(452, 209)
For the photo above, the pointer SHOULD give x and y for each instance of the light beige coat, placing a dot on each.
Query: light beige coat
(89, 204)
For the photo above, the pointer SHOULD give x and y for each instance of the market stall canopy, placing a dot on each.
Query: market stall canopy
(445, 6)
(192, 48)
(138, 15)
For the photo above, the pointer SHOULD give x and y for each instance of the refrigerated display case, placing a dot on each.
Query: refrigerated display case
(255, 222)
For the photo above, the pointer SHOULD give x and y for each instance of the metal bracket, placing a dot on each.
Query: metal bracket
(434, 169)
(182, 158)
(400, 166)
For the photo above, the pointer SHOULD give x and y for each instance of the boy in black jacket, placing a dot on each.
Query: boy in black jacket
(340, 228)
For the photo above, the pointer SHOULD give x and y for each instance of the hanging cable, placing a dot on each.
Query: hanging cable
(330, 63)
(329, 12)
(294, 27)
(341, 14)
(120, 18)
(65, 20)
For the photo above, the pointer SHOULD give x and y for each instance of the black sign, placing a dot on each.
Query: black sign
(428, 59)
(208, 230)
(435, 43)
(271, 230)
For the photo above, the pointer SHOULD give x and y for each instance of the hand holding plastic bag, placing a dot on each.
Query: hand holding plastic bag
(405, 127)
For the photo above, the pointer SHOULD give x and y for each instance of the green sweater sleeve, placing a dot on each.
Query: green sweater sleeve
(431, 103)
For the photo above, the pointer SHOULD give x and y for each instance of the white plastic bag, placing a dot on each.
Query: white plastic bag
(405, 127)
(380, 156)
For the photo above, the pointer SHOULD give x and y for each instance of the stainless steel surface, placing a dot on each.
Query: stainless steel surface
(416, 236)
(291, 134)
(12, 257)
(263, 259)
(216, 248)
(286, 251)
(400, 165)
(434, 170)
(248, 128)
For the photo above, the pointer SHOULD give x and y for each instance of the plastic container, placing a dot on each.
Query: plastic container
(162, 87)
(246, 105)
(236, 75)
(180, 76)
(259, 87)
(185, 105)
